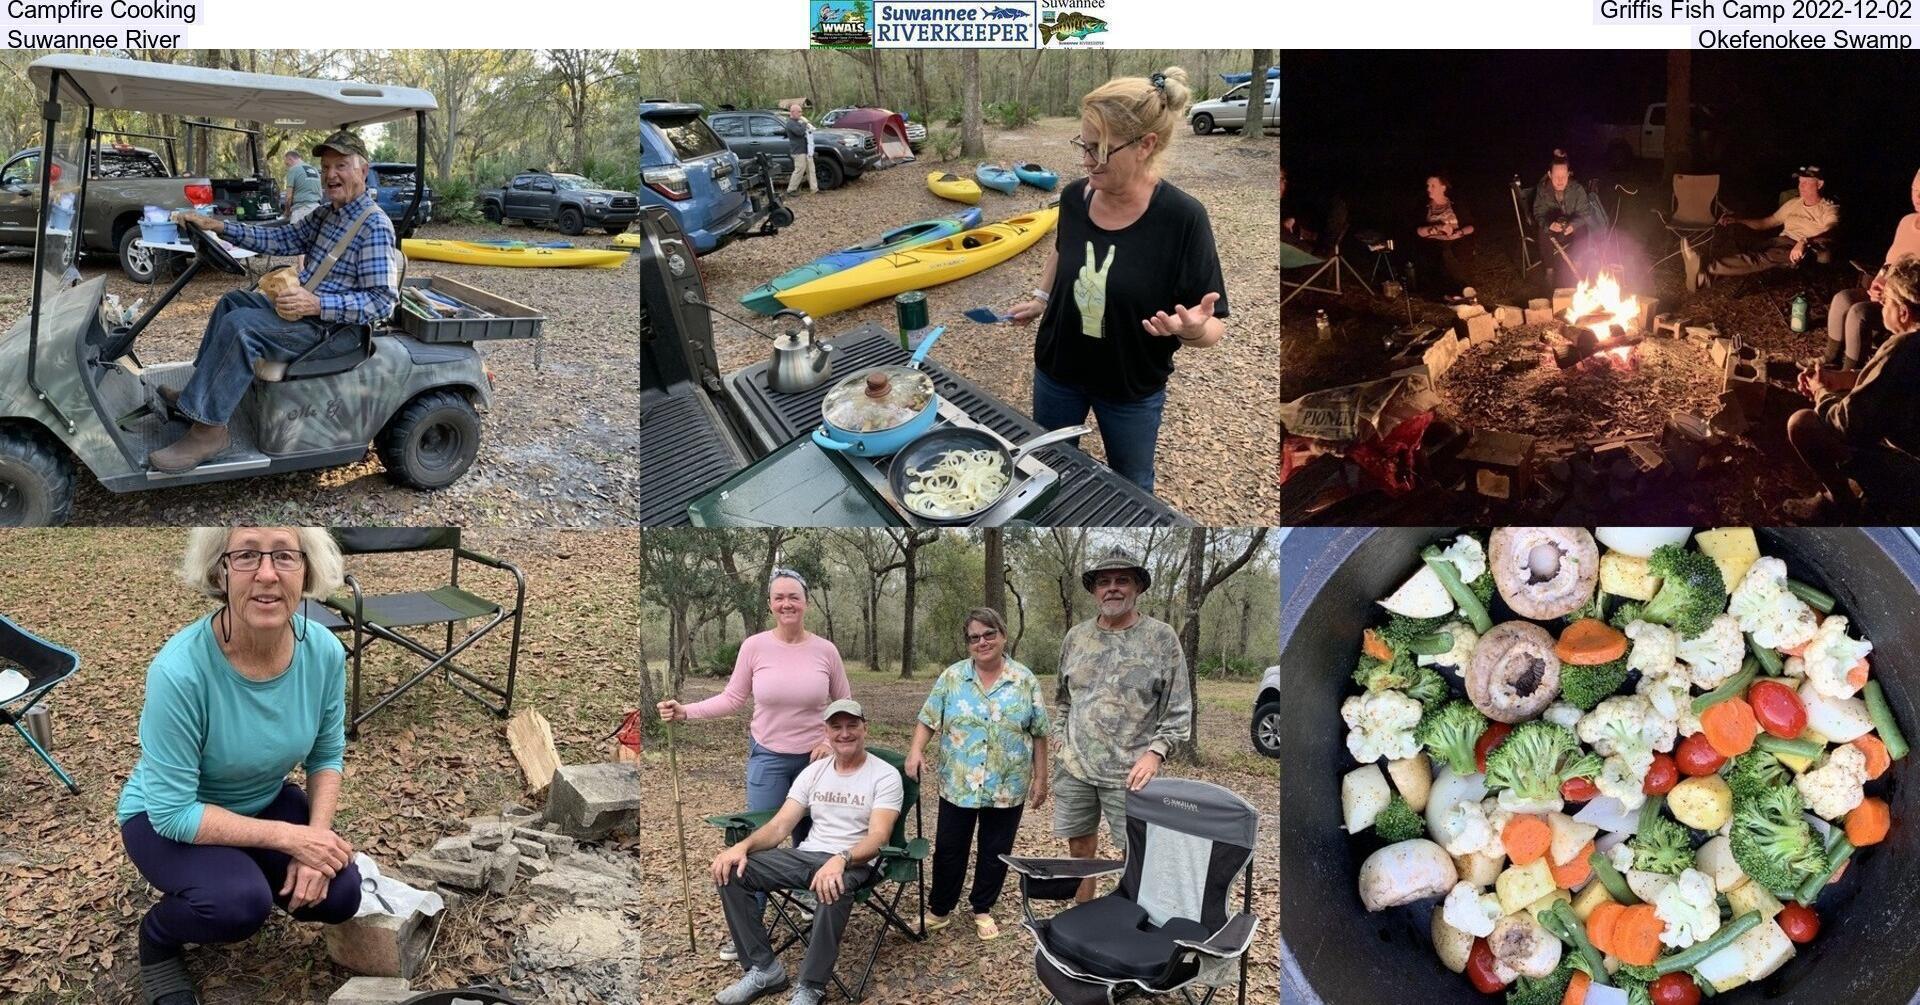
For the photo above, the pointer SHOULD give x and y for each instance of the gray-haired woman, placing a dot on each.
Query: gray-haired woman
(235, 701)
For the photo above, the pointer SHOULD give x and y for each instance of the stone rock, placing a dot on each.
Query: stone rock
(530, 848)
(1539, 316)
(1481, 328)
(502, 869)
(1509, 317)
(583, 879)
(382, 945)
(574, 938)
(372, 991)
(516, 813)
(455, 849)
(460, 875)
(488, 840)
(1563, 300)
(592, 802)
(555, 844)
(531, 866)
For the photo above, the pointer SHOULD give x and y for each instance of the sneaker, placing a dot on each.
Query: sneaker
(754, 985)
(807, 994)
(729, 951)
(166, 982)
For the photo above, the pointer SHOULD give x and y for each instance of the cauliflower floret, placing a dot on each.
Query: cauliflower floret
(1621, 856)
(1661, 679)
(1622, 781)
(1562, 714)
(1715, 654)
(1466, 555)
(1381, 725)
(1629, 725)
(1834, 788)
(1831, 654)
(1513, 803)
(1471, 911)
(1768, 610)
(1461, 655)
(1795, 667)
(1688, 908)
(1497, 817)
(1464, 830)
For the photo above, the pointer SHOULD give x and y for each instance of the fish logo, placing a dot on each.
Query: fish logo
(1003, 13)
(1071, 25)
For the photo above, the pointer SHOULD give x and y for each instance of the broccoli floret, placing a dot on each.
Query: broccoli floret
(1754, 773)
(1662, 846)
(1381, 675)
(1772, 841)
(1548, 990)
(1536, 757)
(1420, 636)
(1428, 687)
(1637, 982)
(1626, 614)
(1482, 587)
(1449, 733)
(1585, 687)
(1692, 591)
(1398, 822)
(1595, 609)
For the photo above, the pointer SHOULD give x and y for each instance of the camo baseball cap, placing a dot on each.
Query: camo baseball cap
(846, 705)
(1116, 558)
(343, 142)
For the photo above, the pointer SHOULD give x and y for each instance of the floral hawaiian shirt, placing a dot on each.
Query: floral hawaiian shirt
(986, 737)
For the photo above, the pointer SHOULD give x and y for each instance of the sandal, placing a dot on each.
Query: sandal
(984, 927)
(936, 922)
(167, 983)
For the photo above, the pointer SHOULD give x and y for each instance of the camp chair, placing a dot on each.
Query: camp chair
(901, 865)
(43, 664)
(370, 619)
(1170, 924)
(1695, 214)
(1297, 258)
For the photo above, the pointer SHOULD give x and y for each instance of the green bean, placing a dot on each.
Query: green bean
(1701, 950)
(1575, 934)
(1449, 574)
(1650, 811)
(1610, 878)
(1836, 857)
(1819, 600)
(1769, 659)
(1883, 721)
(1733, 687)
(1797, 748)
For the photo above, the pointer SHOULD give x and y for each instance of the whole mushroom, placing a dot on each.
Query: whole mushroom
(1544, 572)
(1523, 946)
(1514, 674)
(1404, 872)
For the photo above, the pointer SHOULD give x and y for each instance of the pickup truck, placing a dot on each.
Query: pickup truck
(566, 200)
(1647, 139)
(839, 155)
(1229, 111)
(392, 183)
(124, 180)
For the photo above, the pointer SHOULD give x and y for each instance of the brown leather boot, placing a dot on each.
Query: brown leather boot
(201, 442)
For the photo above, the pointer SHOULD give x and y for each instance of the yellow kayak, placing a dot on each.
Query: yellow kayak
(952, 186)
(469, 253)
(931, 264)
(629, 239)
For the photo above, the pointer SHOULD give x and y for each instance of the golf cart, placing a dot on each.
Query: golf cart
(73, 388)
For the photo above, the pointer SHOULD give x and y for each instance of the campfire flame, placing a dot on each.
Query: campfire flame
(1599, 305)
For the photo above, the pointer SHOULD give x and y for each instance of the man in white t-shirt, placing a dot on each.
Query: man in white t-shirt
(854, 800)
(1806, 221)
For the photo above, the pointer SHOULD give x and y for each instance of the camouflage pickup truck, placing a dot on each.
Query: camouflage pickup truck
(122, 182)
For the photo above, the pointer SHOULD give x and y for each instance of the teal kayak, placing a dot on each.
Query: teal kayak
(764, 299)
(1037, 176)
(995, 177)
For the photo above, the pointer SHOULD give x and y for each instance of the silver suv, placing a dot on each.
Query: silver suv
(1229, 111)
(1266, 714)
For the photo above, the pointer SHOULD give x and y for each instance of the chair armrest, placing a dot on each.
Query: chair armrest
(1062, 868)
(519, 578)
(359, 601)
(750, 821)
(1230, 941)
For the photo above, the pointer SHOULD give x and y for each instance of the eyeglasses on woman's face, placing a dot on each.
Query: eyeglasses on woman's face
(249, 559)
(984, 635)
(1092, 150)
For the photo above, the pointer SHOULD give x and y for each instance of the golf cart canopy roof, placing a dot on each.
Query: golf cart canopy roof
(286, 102)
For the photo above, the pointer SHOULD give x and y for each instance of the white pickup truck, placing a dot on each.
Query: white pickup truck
(1647, 139)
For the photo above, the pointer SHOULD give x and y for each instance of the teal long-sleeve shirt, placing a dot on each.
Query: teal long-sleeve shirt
(211, 737)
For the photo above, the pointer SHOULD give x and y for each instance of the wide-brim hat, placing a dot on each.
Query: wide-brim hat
(1116, 558)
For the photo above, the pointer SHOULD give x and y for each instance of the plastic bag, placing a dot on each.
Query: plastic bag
(390, 896)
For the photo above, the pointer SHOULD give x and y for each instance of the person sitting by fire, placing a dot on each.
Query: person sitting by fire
(1863, 427)
(1806, 223)
(1568, 219)
(1443, 249)
(1853, 318)
(1293, 230)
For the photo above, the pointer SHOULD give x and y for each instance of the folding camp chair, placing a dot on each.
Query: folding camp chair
(42, 664)
(1170, 924)
(1695, 213)
(380, 617)
(1299, 259)
(901, 864)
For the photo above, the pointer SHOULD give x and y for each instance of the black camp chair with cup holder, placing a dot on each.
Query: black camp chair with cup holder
(371, 618)
(44, 665)
(901, 866)
(1170, 924)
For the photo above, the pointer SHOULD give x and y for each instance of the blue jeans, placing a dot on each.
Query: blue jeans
(1130, 429)
(769, 775)
(243, 330)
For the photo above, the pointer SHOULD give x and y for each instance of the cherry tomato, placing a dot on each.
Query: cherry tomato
(1777, 709)
(1578, 790)
(1674, 989)
(1799, 922)
(1491, 738)
(1480, 969)
(1662, 776)
(1696, 757)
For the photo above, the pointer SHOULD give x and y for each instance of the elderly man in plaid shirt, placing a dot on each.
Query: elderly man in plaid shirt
(360, 290)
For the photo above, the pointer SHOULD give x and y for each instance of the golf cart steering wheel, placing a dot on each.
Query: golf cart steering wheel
(212, 251)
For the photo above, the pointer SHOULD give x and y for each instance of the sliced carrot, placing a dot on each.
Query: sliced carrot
(1373, 645)
(1577, 870)
(1577, 989)
(1867, 823)
(1636, 935)
(1590, 642)
(1600, 925)
(1730, 727)
(1799, 650)
(1857, 674)
(1527, 837)
(1877, 760)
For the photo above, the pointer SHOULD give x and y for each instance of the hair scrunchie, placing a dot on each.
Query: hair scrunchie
(1159, 81)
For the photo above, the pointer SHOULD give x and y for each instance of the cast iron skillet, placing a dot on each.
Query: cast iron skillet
(1334, 952)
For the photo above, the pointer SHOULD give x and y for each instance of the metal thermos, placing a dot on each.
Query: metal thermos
(910, 312)
(39, 723)
(1799, 322)
(1323, 326)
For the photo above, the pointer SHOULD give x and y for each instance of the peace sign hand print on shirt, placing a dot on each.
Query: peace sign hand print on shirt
(1090, 290)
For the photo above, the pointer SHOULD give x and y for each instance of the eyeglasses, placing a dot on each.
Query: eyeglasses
(248, 559)
(987, 636)
(1093, 150)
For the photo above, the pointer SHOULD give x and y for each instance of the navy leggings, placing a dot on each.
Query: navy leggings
(214, 893)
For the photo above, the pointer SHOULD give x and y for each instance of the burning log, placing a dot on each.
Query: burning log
(1583, 344)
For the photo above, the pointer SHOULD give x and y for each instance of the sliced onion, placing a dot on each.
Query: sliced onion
(959, 481)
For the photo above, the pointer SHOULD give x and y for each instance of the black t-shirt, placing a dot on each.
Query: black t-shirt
(1163, 260)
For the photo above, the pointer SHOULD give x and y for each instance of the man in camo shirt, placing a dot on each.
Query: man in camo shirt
(1124, 701)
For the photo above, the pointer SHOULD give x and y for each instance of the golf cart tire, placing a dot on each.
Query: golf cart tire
(130, 257)
(1202, 124)
(492, 212)
(431, 441)
(36, 480)
(831, 174)
(571, 223)
(781, 218)
(1266, 728)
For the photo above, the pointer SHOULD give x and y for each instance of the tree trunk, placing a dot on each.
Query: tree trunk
(1020, 611)
(1257, 95)
(1679, 136)
(1190, 637)
(873, 66)
(873, 627)
(813, 88)
(917, 66)
(973, 141)
(995, 594)
(906, 626)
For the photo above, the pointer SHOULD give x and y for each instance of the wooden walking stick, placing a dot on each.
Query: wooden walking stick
(680, 832)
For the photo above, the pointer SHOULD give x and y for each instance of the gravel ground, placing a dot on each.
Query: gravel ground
(559, 446)
(1218, 442)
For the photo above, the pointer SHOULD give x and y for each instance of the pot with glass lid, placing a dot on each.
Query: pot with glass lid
(877, 411)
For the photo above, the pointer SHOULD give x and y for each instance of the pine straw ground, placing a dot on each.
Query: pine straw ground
(559, 446)
(953, 965)
(419, 767)
(1219, 444)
